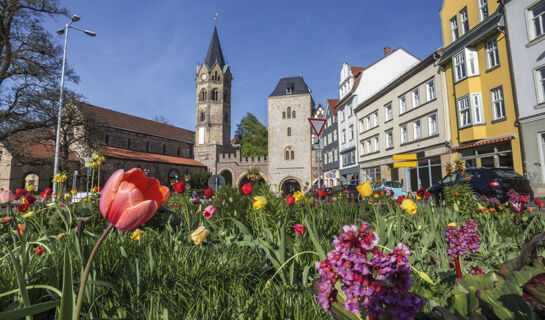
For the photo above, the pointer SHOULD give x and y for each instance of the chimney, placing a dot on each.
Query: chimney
(387, 51)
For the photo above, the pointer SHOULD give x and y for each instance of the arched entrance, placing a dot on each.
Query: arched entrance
(228, 175)
(289, 186)
(253, 181)
(32, 179)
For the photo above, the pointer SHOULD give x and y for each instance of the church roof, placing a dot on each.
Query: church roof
(118, 153)
(129, 122)
(214, 54)
(296, 84)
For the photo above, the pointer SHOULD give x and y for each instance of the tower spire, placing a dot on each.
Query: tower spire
(214, 54)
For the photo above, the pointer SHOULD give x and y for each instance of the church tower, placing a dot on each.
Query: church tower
(213, 106)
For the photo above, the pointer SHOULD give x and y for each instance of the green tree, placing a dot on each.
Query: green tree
(253, 136)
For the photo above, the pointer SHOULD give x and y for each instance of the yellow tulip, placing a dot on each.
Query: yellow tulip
(67, 196)
(137, 234)
(59, 236)
(260, 202)
(365, 189)
(199, 235)
(74, 192)
(419, 227)
(452, 224)
(376, 195)
(299, 196)
(409, 206)
(29, 214)
(30, 188)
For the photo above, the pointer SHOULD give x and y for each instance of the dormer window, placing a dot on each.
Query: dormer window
(289, 89)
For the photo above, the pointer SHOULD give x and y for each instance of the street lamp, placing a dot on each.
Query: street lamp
(64, 31)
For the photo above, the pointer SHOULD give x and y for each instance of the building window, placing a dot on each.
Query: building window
(335, 135)
(349, 111)
(293, 114)
(342, 115)
(459, 67)
(289, 90)
(537, 20)
(292, 154)
(202, 95)
(368, 146)
(464, 21)
(362, 147)
(402, 105)
(476, 105)
(376, 143)
(388, 112)
(483, 9)
(430, 90)
(432, 125)
(367, 123)
(473, 62)
(540, 85)
(351, 132)
(335, 155)
(164, 149)
(202, 116)
(283, 114)
(215, 95)
(403, 132)
(147, 146)
(417, 130)
(416, 98)
(464, 111)
(107, 140)
(498, 105)
(129, 144)
(289, 112)
(454, 29)
(492, 55)
(361, 126)
(287, 155)
(289, 131)
(343, 137)
(389, 139)
(375, 119)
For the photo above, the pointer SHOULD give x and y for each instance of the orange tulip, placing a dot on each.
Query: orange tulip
(129, 199)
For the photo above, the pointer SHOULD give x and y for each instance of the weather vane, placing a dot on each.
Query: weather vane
(215, 18)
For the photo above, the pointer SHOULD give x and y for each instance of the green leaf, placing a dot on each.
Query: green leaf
(30, 310)
(534, 291)
(20, 279)
(424, 276)
(67, 300)
(315, 241)
(306, 270)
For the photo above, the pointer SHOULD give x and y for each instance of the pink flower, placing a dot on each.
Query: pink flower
(6, 196)
(209, 212)
(38, 251)
(130, 198)
(299, 229)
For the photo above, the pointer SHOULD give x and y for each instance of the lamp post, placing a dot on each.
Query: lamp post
(64, 31)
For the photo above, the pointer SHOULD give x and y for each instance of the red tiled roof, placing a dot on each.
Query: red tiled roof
(332, 103)
(148, 157)
(133, 123)
(356, 70)
(34, 145)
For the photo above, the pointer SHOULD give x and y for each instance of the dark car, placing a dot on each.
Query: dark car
(489, 182)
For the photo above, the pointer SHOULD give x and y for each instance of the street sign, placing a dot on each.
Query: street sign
(408, 156)
(317, 125)
(405, 164)
(216, 181)
(317, 143)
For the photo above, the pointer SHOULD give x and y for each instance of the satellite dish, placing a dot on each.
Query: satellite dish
(216, 181)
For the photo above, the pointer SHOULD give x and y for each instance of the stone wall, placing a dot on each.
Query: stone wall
(238, 166)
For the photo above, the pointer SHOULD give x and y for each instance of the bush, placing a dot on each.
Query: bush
(199, 179)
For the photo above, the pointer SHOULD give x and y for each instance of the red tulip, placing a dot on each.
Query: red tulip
(6, 220)
(209, 212)
(179, 204)
(30, 200)
(322, 194)
(208, 192)
(20, 192)
(172, 205)
(179, 187)
(38, 251)
(524, 199)
(491, 210)
(46, 194)
(130, 198)
(20, 229)
(246, 188)
(400, 199)
(299, 229)
(455, 193)
(23, 207)
(290, 200)
(196, 201)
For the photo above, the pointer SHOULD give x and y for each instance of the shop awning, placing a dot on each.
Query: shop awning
(483, 142)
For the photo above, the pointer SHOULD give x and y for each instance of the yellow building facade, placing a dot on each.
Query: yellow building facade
(483, 117)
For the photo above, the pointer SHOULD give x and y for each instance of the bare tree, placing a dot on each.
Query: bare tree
(30, 66)
(161, 119)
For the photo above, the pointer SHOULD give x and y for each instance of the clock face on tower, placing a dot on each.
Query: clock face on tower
(203, 76)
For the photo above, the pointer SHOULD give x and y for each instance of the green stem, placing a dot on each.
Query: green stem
(20, 235)
(38, 286)
(376, 218)
(87, 269)
(293, 257)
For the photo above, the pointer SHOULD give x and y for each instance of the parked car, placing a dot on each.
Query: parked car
(489, 182)
(394, 185)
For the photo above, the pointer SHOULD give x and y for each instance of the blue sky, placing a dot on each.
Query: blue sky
(144, 57)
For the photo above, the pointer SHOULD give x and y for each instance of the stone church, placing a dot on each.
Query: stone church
(290, 164)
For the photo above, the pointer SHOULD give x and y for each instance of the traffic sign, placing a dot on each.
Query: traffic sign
(408, 156)
(405, 164)
(317, 125)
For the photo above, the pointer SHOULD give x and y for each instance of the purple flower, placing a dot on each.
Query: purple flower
(462, 239)
(369, 278)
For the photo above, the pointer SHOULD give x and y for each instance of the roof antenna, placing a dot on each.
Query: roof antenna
(215, 19)
(301, 74)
